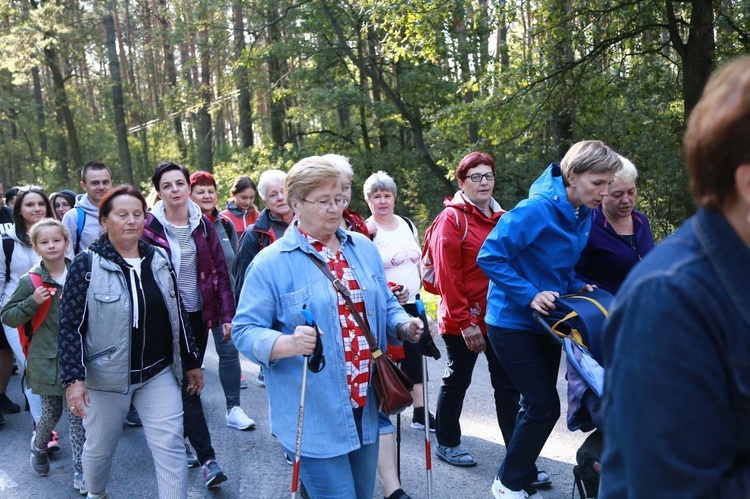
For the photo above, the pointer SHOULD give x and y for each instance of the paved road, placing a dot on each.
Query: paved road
(254, 460)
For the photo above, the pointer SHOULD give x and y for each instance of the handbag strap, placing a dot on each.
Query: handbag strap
(339, 286)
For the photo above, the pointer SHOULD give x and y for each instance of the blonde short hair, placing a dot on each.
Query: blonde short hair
(590, 156)
(342, 163)
(45, 223)
(308, 174)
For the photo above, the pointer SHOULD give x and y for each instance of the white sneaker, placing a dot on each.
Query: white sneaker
(500, 491)
(78, 484)
(236, 418)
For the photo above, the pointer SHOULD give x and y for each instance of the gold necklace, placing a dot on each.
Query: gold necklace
(628, 238)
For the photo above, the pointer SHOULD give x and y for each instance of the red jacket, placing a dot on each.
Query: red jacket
(462, 284)
(241, 219)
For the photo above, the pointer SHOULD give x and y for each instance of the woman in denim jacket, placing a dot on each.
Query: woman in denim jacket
(340, 436)
(677, 348)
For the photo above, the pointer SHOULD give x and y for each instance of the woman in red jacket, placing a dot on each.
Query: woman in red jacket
(460, 229)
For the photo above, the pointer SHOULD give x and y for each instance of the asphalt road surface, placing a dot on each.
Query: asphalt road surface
(254, 461)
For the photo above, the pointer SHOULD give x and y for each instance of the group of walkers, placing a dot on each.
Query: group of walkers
(113, 332)
(309, 284)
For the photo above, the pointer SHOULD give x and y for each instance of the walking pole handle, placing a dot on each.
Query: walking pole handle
(429, 348)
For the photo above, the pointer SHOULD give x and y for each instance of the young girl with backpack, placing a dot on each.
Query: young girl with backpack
(34, 309)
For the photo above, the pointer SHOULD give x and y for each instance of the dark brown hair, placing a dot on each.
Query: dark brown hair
(241, 184)
(717, 140)
(164, 167)
(105, 205)
(20, 223)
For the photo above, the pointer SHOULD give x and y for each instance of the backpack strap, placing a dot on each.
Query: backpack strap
(409, 223)
(8, 246)
(458, 224)
(41, 314)
(89, 260)
(80, 224)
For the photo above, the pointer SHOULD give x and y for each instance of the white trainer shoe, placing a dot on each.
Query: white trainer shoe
(236, 418)
(500, 491)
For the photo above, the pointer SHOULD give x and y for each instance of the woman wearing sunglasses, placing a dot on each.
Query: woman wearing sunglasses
(339, 446)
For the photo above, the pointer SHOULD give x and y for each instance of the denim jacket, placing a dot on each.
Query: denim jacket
(677, 361)
(279, 281)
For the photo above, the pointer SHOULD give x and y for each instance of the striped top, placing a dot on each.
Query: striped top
(187, 274)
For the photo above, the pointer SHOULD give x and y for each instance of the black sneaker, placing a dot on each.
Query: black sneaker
(7, 405)
(192, 461)
(39, 462)
(2, 419)
(417, 420)
(133, 419)
(212, 474)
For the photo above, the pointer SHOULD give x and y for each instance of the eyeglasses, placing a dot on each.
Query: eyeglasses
(32, 188)
(325, 204)
(477, 177)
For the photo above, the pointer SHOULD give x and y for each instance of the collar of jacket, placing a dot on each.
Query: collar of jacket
(293, 239)
(728, 255)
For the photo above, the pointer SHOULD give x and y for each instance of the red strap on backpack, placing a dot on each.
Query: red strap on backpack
(36, 321)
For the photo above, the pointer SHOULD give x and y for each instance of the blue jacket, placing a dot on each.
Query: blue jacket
(677, 361)
(279, 281)
(534, 247)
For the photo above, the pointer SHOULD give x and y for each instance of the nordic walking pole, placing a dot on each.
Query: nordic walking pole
(428, 349)
(316, 362)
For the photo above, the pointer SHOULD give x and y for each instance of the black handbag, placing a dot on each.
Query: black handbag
(392, 386)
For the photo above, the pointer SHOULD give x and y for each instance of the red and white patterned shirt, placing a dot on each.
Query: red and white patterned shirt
(356, 350)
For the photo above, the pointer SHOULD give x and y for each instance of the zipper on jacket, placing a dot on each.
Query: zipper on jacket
(143, 339)
(97, 355)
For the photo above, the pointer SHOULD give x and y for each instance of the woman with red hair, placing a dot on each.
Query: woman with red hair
(460, 229)
(203, 193)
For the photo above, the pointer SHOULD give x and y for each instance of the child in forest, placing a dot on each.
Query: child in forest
(49, 238)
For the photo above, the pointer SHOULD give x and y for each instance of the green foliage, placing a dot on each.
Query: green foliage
(399, 93)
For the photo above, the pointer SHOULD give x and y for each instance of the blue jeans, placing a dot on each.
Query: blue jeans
(342, 477)
(532, 361)
(229, 368)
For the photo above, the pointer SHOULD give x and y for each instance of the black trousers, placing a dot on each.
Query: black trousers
(196, 429)
(456, 381)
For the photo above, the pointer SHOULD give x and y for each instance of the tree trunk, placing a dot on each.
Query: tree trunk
(561, 57)
(698, 53)
(171, 70)
(244, 106)
(463, 61)
(61, 104)
(377, 96)
(117, 100)
(62, 147)
(205, 132)
(276, 106)
(39, 105)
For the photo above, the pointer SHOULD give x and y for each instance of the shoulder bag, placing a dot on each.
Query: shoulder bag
(392, 386)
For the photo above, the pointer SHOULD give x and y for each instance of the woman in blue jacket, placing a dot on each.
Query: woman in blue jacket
(530, 258)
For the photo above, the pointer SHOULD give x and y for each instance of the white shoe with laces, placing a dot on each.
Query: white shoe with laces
(236, 418)
(500, 491)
